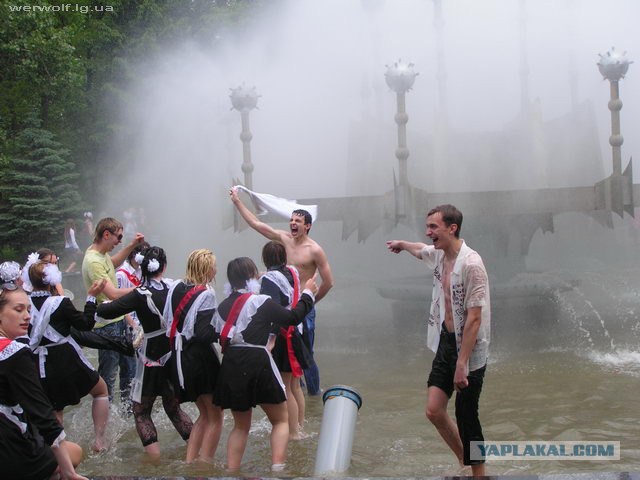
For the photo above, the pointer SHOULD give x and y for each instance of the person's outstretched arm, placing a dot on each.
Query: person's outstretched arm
(121, 305)
(414, 248)
(249, 217)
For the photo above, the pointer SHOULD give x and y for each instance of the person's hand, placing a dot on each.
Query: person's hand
(97, 287)
(311, 284)
(233, 193)
(394, 246)
(460, 380)
(131, 323)
(137, 239)
(137, 337)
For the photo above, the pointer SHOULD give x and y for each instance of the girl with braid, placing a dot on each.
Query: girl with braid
(152, 376)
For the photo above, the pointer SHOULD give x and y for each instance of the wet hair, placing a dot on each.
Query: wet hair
(450, 215)
(199, 265)
(239, 271)
(106, 224)
(152, 253)
(36, 276)
(274, 254)
(308, 220)
(137, 249)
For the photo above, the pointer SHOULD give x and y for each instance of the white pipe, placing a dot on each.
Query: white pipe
(341, 405)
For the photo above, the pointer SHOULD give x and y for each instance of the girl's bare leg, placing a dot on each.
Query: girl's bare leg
(237, 441)
(100, 414)
(277, 414)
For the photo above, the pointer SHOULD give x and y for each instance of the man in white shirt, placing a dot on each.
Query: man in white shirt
(458, 330)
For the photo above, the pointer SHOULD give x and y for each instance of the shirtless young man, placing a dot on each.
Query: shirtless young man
(303, 253)
(458, 333)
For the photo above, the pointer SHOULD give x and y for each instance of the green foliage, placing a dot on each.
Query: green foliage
(40, 70)
(39, 191)
(8, 254)
(73, 67)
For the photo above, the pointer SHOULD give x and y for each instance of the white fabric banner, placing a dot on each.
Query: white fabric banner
(266, 203)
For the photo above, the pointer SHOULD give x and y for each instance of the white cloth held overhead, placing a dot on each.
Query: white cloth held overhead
(266, 203)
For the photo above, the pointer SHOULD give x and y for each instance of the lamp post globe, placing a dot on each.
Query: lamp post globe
(400, 76)
(613, 65)
(244, 98)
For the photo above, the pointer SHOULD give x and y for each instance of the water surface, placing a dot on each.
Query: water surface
(553, 375)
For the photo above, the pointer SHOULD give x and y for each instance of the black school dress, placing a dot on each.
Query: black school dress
(286, 338)
(248, 376)
(28, 425)
(152, 373)
(65, 373)
(194, 364)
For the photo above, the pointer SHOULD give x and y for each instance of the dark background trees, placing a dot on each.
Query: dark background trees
(64, 76)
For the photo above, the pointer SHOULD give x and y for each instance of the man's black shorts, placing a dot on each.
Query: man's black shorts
(442, 372)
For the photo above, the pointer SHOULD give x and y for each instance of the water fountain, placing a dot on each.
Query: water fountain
(503, 222)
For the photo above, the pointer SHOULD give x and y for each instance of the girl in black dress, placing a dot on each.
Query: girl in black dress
(65, 373)
(248, 376)
(32, 441)
(191, 304)
(282, 283)
(151, 378)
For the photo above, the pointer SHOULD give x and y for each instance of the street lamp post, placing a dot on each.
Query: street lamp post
(244, 99)
(613, 66)
(400, 77)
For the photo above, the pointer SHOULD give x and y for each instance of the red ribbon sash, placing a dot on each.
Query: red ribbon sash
(236, 308)
(4, 342)
(132, 278)
(296, 369)
(181, 306)
(287, 333)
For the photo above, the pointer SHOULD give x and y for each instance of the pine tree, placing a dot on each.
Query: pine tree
(39, 191)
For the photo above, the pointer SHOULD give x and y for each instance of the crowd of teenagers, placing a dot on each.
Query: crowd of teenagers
(168, 339)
